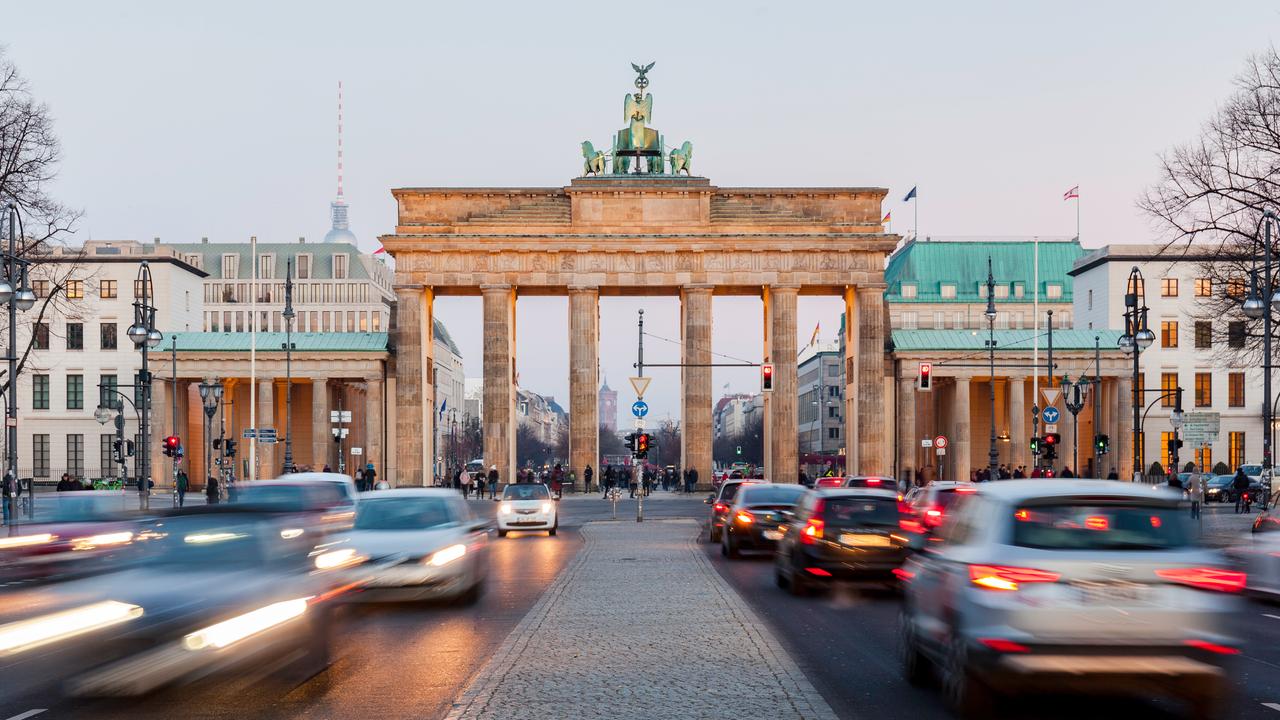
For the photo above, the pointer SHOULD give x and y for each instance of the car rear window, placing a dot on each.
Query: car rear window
(944, 499)
(729, 491)
(773, 494)
(1075, 526)
(855, 511)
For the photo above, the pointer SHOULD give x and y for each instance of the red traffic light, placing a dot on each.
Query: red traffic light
(925, 378)
(1052, 438)
(172, 442)
(766, 377)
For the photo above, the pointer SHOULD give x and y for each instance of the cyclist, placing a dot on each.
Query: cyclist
(1240, 485)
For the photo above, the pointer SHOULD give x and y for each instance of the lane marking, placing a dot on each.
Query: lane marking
(29, 713)
(1273, 617)
(1273, 706)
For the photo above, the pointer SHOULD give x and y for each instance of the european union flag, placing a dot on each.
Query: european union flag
(910, 194)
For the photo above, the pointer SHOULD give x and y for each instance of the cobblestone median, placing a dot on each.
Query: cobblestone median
(640, 626)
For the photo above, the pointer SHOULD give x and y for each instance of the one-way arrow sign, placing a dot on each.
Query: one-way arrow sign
(640, 384)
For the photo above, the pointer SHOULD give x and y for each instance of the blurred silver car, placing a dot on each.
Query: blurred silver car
(418, 544)
(1080, 585)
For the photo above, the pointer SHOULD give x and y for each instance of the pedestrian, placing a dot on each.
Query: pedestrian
(586, 479)
(493, 481)
(65, 483)
(693, 479)
(606, 481)
(466, 486)
(327, 468)
(211, 490)
(1018, 474)
(1066, 473)
(1240, 485)
(181, 484)
(1112, 475)
(1197, 488)
(370, 476)
(6, 494)
(360, 486)
(557, 481)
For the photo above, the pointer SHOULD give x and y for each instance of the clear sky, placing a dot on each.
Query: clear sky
(181, 120)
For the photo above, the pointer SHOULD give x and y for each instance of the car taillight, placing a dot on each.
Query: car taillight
(1212, 647)
(1206, 578)
(873, 481)
(1002, 645)
(933, 517)
(910, 525)
(812, 531)
(744, 518)
(999, 577)
(720, 507)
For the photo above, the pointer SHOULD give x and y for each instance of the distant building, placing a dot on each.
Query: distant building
(608, 407)
(473, 398)
(734, 414)
(820, 383)
(542, 415)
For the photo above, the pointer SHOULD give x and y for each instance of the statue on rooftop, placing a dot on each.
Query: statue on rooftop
(638, 140)
(594, 164)
(681, 157)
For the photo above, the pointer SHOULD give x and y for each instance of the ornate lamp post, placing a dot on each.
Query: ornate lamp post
(1136, 338)
(993, 455)
(1255, 307)
(15, 292)
(211, 395)
(288, 316)
(145, 336)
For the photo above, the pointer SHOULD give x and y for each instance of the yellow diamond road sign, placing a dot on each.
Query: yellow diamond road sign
(640, 384)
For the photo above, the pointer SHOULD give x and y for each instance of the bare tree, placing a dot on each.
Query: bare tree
(1210, 199)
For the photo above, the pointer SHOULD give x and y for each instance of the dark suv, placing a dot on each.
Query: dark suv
(719, 502)
(843, 534)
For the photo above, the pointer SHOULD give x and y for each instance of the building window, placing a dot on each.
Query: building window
(1204, 458)
(266, 267)
(75, 392)
(1090, 299)
(106, 289)
(1204, 389)
(1235, 389)
(1137, 285)
(351, 321)
(1204, 287)
(39, 392)
(1168, 287)
(107, 396)
(106, 464)
(1236, 288)
(75, 455)
(833, 433)
(40, 455)
(377, 322)
(948, 291)
(75, 336)
(1169, 333)
(1142, 451)
(40, 288)
(909, 321)
(1166, 458)
(1002, 291)
(41, 332)
(364, 322)
(1168, 389)
(107, 336)
(1053, 291)
(1235, 334)
(1235, 449)
(230, 267)
(959, 319)
(982, 290)
(1018, 290)
(75, 289)
(1204, 334)
(195, 260)
(304, 266)
(140, 285)
(908, 291)
(340, 267)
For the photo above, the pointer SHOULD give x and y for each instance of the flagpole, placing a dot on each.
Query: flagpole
(915, 221)
(1077, 213)
(1035, 346)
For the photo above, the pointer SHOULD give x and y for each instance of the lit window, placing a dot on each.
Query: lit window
(1168, 287)
(1053, 291)
(75, 289)
(948, 291)
(1235, 449)
(1204, 287)
(1204, 389)
(1169, 333)
(1235, 389)
(107, 289)
(1168, 389)
(908, 290)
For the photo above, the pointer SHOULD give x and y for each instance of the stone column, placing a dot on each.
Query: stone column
(321, 437)
(785, 439)
(499, 379)
(851, 380)
(373, 428)
(415, 397)
(266, 419)
(960, 441)
(908, 438)
(1122, 438)
(695, 301)
(584, 381)
(161, 426)
(766, 400)
(1019, 442)
(872, 433)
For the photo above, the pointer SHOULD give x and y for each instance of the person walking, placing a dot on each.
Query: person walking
(586, 479)
(1197, 488)
(693, 479)
(606, 481)
(181, 484)
(466, 486)
(493, 481)
(211, 490)
(359, 478)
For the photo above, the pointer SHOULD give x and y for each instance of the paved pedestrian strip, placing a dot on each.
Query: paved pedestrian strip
(640, 625)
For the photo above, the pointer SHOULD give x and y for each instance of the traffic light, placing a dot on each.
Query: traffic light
(924, 381)
(642, 445)
(1035, 446)
(1102, 444)
(766, 377)
(631, 441)
(128, 448)
(172, 446)
(1052, 439)
(229, 447)
(1174, 444)
(117, 446)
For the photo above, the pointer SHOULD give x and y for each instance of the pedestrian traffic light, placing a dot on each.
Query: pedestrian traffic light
(172, 446)
(118, 447)
(924, 381)
(229, 447)
(1102, 444)
(766, 377)
(631, 441)
(128, 448)
(1035, 446)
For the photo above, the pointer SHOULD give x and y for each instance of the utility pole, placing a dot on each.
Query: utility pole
(639, 470)
(1097, 405)
(173, 369)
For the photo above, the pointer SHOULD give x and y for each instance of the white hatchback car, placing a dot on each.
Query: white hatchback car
(527, 506)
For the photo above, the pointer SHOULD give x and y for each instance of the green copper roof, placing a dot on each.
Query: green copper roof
(321, 258)
(931, 264)
(273, 341)
(1012, 340)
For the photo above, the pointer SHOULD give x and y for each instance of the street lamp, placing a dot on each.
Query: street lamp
(288, 316)
(993, 455)
(145, 336)
(1136, 338)
(15, 273)
(1254, 307)
(211, 395)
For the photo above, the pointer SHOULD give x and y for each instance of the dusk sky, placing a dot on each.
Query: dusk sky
(180, 121)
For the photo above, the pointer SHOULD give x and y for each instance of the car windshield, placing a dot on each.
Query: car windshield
(414, 513)
(773, 495)
(216, 541)
(854, 511)
(526, 492)
(1219, 480)
(1084, 526)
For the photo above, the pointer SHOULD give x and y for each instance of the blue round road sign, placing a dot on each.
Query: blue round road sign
(639, 408)
(1051, 415)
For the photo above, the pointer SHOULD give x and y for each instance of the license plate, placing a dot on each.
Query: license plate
(772, 534)
(864, 540)
(1088, 593)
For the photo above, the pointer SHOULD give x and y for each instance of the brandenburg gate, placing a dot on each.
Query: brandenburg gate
(640, 230)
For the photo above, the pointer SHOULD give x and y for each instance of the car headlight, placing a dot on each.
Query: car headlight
(25, 540)
(505, 508)
(337, 558)
(546, 507)
(27, 634)
(243, 626)
(95, 541)
(446, 556)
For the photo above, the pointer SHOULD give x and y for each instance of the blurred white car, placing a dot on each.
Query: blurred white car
(1070, 585)
(417, 544)
(527, 506)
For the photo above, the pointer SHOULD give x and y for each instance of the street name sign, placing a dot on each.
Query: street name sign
(926, 443)
(357, 451)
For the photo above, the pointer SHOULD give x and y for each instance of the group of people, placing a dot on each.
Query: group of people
(465, 482)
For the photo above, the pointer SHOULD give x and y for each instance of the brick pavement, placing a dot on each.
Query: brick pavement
(640, 626)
